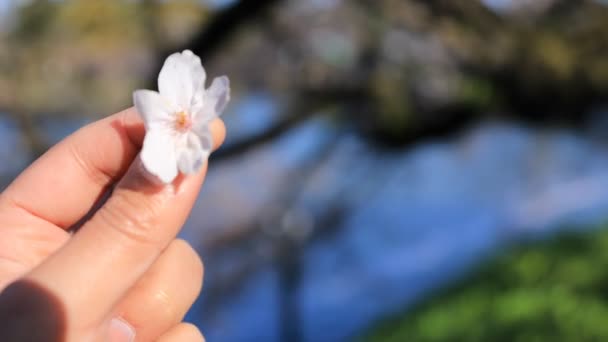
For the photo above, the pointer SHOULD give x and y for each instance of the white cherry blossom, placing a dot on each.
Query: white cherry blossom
(177, 117)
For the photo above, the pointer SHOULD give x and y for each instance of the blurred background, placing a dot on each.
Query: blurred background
(395, 170)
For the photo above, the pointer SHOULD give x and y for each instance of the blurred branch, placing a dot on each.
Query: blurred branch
(30, 132)
(564, 7)
(298, 114)
(151, 22)
(286, 249)
(22, 117)
(307, 104)
(269, 228)
(543, 71)
(472, 13)
(225, 24)
(222, 27)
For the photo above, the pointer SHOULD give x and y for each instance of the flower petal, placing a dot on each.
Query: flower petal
(215, 100)
(219, 93)
(152, 107)
(192, 154)
(206, 139)
(181, 77)
(158, 155)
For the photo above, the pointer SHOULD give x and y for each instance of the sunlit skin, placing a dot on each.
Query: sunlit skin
(141, 273)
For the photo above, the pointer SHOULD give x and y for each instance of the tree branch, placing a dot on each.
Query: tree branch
(307, 104)
(219, 30)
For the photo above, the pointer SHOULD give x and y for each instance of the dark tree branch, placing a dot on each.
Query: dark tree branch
(224, 25)
(473, 13)
(277, 129)
(219, 30)
(309, 103)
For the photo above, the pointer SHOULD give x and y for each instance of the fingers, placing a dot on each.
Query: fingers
(24, 247)
(80, 168)
(118, 244)
(92, 272)
(161, 298)
(184, 332)
(218, 131)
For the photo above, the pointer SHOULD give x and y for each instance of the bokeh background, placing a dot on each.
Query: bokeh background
(395, 170)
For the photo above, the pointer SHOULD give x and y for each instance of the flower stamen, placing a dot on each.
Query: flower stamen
(182, 121)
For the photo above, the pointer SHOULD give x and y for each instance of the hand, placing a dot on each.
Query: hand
(124, 264)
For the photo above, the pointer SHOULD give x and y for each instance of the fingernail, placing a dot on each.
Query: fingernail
(121, 331)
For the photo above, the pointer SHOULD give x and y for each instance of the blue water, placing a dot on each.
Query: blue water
(414, 220)
(369, 231)
(14, 151)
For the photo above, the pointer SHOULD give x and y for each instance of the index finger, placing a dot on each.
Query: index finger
(92, 272)
(64, 184)
(96, 268)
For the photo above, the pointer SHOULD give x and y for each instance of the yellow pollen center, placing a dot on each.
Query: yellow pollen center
(182, 121)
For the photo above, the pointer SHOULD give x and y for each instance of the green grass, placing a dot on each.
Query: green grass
(554, 290)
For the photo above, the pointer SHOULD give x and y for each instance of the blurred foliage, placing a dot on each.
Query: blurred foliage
(400, 70)
(554, 290)
(67, 57)
(78, 59)
(397, 71)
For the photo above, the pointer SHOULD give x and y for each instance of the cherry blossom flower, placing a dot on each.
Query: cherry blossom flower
(177, 117)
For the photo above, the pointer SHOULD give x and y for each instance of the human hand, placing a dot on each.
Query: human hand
(123, 265)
